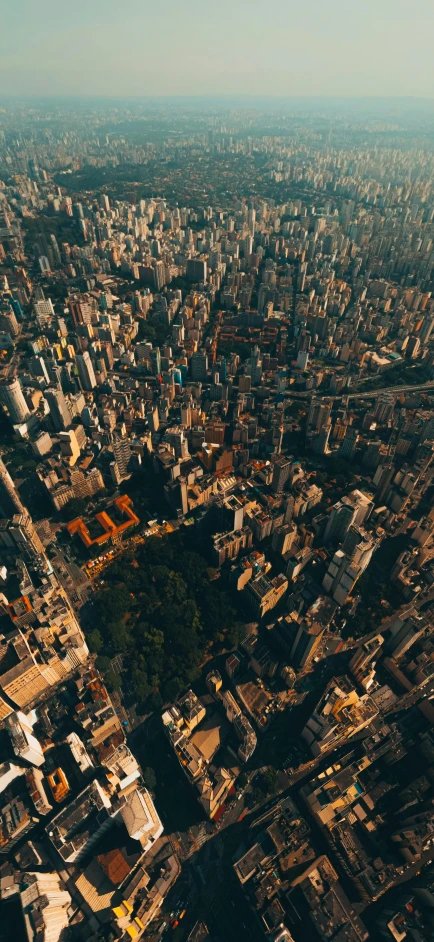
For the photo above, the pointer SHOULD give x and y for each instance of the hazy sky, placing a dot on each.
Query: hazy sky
(188, 47)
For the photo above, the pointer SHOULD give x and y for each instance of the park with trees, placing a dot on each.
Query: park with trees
(162, 610)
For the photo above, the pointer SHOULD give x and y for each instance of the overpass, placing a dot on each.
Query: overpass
(310, 396)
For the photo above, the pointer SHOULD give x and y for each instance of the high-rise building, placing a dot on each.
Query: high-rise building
(8, 322)
(23, 533)
(427, 328)
(231, 513)
(59, 411)
(346, 568)
(348, 447)
(25, 745)
(283, 538)
(302, 359)
(153, 419)
(10, 501)
(11, 396)
(384, 408)
(175, 437)
(199, 365)
(281, 472)
(306, 643)
(353, 509)
(289, 509)
(86, 371)
(92, 806)
(318, 415)
(155, 360)
(16, 820)
(320, 444)
(38, 368)
(122, 453)
(339, 714)
(404, 632)
(186, 415)
(339, 522)
(45, 904)
(196, 269)
(141, 818)
(362, 663)
(254, 366)
(69, 446)
(383, 478)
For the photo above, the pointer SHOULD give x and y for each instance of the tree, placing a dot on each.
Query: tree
(146, 331)
(140, 685)
(149, 778)
(160, 574)
(255, 796)
(163, 614)
(75, 508)
(112, 680)
(156, 701)
(172, 688)
(117, 638)
(94, 641)
(103, 663)
(270, 780)
(29, 465)
(235, 634)
(112, 603)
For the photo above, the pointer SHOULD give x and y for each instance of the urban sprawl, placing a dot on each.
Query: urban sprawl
(216, 523)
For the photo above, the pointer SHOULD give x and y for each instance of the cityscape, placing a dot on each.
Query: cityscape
(216, 520)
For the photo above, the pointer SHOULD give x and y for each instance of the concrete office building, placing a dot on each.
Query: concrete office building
(86, 371)
(59, 411)
(12, 398)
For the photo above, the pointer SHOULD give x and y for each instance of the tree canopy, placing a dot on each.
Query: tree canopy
(161, 611)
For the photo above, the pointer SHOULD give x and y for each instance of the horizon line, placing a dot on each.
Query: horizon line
(213, 96)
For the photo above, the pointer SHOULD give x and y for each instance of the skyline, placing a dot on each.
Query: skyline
(104, 50)
(216, 518)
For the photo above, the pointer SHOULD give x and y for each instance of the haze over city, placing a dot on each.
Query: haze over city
(282, 48)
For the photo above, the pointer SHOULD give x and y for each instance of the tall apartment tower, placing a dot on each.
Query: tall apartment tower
(341, 518)
(45, 904)
(11, 396)
(59, 412)
(362, 663)
(281, 471)
(289, 509)
(9, 323)
(122, 453)
(307, 640)
(21, 528)
(348, 446)
(10, 501)
(155, 361)
(25, 536)
(85, 371)
(199, 365)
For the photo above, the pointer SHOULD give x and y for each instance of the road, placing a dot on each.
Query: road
(373, 394)
(393, 896)
(208, 890)
(389, 389)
